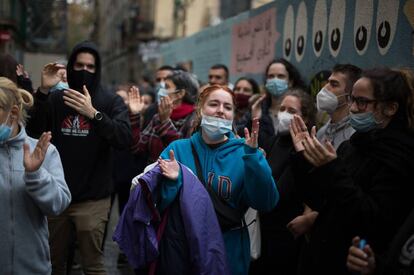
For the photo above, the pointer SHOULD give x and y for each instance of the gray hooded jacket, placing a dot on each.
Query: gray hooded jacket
(25, 201)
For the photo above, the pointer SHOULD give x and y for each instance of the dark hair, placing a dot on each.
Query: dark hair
(352, 72)
(8, 66)
(294, 75)
(185, 81)
(253, 83)
(180, 67)
(308, 108)
(394, 86)
(221, 66)
(165, 68)
(150, 94)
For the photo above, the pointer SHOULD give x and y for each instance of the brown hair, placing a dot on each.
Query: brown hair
(308, 108)
(202, 98)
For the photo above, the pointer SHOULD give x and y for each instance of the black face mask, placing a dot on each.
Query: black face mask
(81, 78)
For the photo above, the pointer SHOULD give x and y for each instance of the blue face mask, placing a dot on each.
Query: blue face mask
(162, 92)
(215, 128)
(5, 131)
(363, 122)
(59, 86)
(276, 87)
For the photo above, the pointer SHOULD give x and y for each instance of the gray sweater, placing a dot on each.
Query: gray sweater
(25, 201)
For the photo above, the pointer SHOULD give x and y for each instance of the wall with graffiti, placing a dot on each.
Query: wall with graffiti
(313, 35)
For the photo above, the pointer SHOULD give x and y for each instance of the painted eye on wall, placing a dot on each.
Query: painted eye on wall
(336, 26)
(320, 21)
(301, 31)
(288, 47)
(364, 10)
(387, 18)
(288, 32)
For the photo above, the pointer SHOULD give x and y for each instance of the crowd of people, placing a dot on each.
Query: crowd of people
(328, 175)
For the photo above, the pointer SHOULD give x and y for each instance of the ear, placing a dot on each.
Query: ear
(391, 109)
(15, 113)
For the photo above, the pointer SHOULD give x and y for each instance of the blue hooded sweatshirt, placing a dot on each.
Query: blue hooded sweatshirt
(239, 174)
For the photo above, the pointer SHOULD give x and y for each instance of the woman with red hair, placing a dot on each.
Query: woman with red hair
(233, 170)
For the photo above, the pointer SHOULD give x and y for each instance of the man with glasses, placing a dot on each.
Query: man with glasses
(87, 123)
(333, 99)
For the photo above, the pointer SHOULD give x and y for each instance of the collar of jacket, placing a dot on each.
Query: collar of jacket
(18, 140)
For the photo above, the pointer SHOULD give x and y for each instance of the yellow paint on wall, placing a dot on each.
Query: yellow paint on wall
(409, 11)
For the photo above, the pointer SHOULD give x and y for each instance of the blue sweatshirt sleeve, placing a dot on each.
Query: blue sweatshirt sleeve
(169, 188)
(260, 190)
(47, 186)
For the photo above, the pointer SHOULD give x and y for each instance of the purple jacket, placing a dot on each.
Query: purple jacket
(136, 235)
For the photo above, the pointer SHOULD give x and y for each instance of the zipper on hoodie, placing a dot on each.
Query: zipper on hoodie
(12, 222)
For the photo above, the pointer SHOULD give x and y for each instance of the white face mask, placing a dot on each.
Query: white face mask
(214, 127)
(326, 101)
(285, 119)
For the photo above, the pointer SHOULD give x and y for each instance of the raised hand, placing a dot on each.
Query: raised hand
(257, 107)
(32, 161)
(52, 73)
(135, 102)
(81, 103)
(252, 140)
(360, 260)
(165, 108)
(21, 72)
(169, 168)
(316, 153)
(298, 132)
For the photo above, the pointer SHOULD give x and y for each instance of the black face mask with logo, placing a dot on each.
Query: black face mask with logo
(81, 78)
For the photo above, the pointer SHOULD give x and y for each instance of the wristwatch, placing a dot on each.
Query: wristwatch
(97, 116)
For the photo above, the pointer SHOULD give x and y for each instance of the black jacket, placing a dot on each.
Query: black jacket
(367, 191)
(85, 145)
(279, 248)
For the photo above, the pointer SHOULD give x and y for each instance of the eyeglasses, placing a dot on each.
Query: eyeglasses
(361, 102)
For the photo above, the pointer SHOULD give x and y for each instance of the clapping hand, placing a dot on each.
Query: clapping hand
(135, 102)
(165, 108)
(52, 73)
(33, 160)
(81, 103)
(21, 72)
(169, 168)
(313, 150)
(257, 107)
(298, 132)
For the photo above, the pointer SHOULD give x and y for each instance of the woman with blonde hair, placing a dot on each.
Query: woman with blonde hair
(32, 187)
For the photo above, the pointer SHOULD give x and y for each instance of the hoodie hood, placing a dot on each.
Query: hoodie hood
(85, 47)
